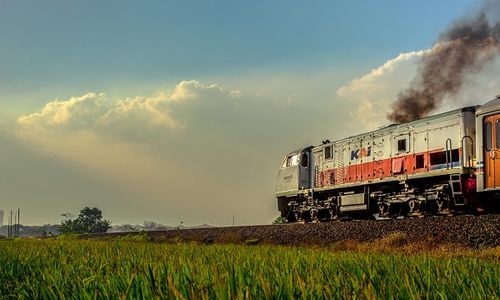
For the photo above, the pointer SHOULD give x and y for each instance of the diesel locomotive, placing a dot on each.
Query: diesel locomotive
(441, 164)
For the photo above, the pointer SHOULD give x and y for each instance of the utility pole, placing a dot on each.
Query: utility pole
(233, 220)
(15, 224)
(11, 223)
(18, 222)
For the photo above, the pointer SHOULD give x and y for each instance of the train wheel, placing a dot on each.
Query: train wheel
(305, 216)
(292, 216)
(314, 216)
(440, 204)
(334, 213)
(383, 209)
(414, 208)
(443, 204)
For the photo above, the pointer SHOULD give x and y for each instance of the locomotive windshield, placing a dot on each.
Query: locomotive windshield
(291, 160)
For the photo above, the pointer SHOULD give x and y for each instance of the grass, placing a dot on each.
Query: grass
(131, 268)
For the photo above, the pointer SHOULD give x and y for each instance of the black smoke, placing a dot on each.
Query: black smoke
(466, 47)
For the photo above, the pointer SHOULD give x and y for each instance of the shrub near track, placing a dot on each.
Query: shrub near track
(112, 269)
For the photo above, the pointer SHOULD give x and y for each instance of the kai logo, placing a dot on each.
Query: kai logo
(360, 153)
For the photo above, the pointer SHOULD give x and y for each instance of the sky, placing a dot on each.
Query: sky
(182, 111)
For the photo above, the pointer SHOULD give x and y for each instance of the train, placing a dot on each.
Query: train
(442, 164)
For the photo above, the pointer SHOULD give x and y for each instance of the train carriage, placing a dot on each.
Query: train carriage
(421, 167)
(488, 151)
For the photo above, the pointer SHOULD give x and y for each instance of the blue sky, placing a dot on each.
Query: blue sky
(182, 110)
(73, 46)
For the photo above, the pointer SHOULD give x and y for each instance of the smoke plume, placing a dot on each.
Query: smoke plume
(466, 47)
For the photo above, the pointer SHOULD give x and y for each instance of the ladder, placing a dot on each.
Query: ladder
(339, 164)
(456, 190)
(317, 173)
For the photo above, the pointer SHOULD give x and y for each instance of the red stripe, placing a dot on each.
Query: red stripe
(375, 169)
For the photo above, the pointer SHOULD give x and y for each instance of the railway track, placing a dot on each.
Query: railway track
(469, 231)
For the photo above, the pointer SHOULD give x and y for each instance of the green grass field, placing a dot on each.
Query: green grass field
(113, 269)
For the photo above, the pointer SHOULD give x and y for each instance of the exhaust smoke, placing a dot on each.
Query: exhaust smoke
(465, 48)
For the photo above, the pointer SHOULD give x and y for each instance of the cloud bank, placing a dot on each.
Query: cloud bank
(194, 152)
(95, 110)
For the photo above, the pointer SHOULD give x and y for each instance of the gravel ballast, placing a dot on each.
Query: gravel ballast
(469, 231)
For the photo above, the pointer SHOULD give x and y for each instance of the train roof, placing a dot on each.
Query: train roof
(489, 106)
(412, 123)
(299, 150)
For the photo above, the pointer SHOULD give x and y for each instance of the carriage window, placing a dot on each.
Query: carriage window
(419, 164)
(402, 145)
(487, 135)
(328, 152)
(497, 136)
(304, 161)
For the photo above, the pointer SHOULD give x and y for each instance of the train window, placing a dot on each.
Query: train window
(438, 158)
(497, 136)
(292, 160)
(419, 161)
(455, 155)
(304, 161)
(487, 136)
(328, 152)
(402, 145)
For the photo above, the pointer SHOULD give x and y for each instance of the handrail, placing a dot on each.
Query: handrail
(464, 148)
(448, 154)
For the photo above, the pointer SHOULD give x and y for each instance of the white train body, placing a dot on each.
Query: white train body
(424, 166)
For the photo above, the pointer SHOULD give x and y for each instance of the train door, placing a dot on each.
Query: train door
(420, 149)
(400, 149)
(305, 170)
(318, 164)
(491, 129)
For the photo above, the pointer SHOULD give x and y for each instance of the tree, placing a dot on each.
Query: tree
(150, 225)
(90, 220)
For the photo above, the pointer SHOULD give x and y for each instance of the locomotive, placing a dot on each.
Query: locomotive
(437, 165)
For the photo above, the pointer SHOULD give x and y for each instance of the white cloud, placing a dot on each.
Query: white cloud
(188, 151)
(187, 105)
(145, 112)
(375, 91)
(79, 111)
(376, 82)
(235, 93)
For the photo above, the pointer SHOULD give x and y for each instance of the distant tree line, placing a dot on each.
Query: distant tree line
(90, 220)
